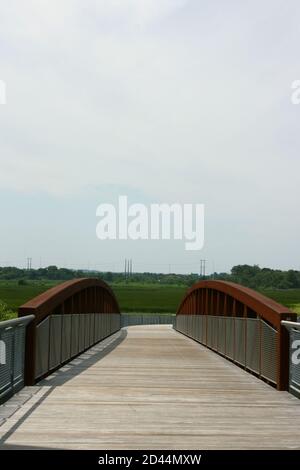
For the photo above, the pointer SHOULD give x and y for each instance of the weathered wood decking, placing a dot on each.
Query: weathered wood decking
(150, 387)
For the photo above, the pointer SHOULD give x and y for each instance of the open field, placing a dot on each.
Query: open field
(149, 298)
(14, 295)
(288, 297)
(133, 297)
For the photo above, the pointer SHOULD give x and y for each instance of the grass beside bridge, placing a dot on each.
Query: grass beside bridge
(142, 298)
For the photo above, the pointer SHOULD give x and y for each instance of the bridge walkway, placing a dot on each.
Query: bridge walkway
(149, 387)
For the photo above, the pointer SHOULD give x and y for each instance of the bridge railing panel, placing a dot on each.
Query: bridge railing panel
(229, 335)
(84, 332)
(240, 341)
(18, 355)
(268, 352)
(229, 326)
(42, 348)
(198, 327)
(66, 337)
(75, 334)
(204, 329)
(12, 356)
(92, 330)
(73, 316)
(249, 343)
(241, 324)
(215, 333)
(147, 319)
(253, 345)
(294, 356)
(221, 336)
(295, 362)
(60, 339)
(55, 339)
(209, 333)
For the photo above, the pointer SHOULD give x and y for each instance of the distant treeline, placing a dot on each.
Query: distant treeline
(53, 273)
(251, 276)
(262, 278)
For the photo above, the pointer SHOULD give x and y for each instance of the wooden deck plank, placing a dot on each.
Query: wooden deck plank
(156, 389)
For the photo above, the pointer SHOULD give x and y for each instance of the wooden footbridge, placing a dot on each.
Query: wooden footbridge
(220, 379)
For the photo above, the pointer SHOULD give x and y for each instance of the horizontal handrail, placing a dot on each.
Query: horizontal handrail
(291, 324)
(16, 321)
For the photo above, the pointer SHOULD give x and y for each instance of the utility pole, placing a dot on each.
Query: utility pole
(128, 268)
(214, 269)
(202, 268)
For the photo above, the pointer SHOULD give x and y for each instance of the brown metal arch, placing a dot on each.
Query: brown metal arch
(266, 308)
(84, 295)
(230, 299)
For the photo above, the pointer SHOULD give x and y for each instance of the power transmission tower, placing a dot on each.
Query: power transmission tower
(29, 264)
(202, 268)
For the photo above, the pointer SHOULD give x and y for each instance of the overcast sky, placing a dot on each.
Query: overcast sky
(161, 100)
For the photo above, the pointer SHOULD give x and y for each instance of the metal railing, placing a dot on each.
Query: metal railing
(59, 338)
(294, 375)
(12, 355)
(147, 319)
(248, 342)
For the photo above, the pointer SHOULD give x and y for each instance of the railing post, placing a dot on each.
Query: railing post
(12, 372)
(283, 358)
(30, 353)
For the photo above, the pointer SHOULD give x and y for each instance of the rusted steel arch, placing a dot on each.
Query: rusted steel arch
(209, 298)
(229, 299)
(84, 295)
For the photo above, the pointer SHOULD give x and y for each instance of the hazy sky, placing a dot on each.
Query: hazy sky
(161, 100)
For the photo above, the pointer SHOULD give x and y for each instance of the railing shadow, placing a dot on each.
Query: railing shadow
(20, 421)
(63, 375)
(12, 447)
(85, 360)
